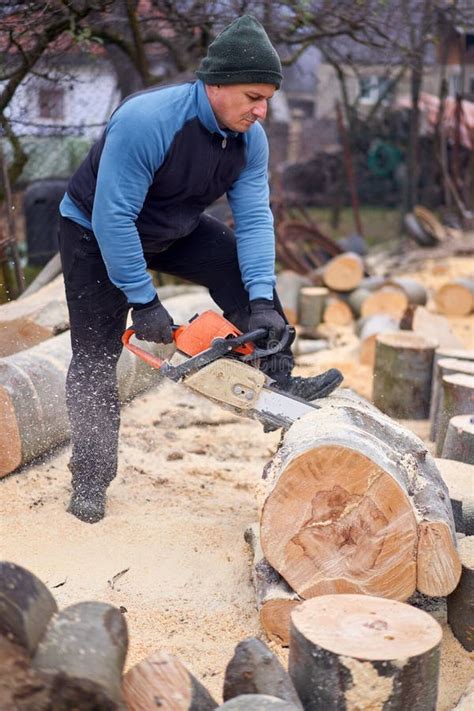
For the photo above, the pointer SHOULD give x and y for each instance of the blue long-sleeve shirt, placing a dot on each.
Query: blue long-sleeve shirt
(161, 161)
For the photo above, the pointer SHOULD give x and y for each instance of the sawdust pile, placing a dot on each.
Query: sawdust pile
(175, 521)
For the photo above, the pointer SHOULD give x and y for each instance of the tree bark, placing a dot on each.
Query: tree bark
(344, 272)
(162, 680)
(21, 688)
(358, 652)
(26, 606)
(275, 598)
(83, 652)
(456, 298)
(255, 670)
(459, 441)
(442, 367)
(354, 503)
(461, 601)
(457, 399)
(402, 375)
(33, 416)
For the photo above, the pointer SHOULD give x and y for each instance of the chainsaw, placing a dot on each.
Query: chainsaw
(214, 359)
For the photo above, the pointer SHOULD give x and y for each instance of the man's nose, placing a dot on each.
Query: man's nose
(260, 110)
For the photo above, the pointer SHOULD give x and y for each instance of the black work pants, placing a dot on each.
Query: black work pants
(98, 312)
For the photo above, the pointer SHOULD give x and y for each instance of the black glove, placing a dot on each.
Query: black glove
(152, 322)
(264, 315)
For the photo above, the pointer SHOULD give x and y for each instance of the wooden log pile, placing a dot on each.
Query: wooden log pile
(33, 416)
(346, 651)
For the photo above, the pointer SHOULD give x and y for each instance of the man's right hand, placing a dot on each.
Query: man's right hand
(152, 322)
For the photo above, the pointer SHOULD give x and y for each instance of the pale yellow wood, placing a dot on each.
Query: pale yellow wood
(438, 564)
(387, 300)
(344, 272)
(158, 681)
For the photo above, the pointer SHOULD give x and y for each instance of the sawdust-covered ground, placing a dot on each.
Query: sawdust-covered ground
(175, 520)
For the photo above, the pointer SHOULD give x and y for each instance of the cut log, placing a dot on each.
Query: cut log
(402, 374)
(255, 670)
(49, 272)
(26, 322)
(457, 399)
(83, 653)
(337, 312)
(364, 653)
(368, 330)
(257, 702)
(163, 681)
(461, 601)
(442, 367)
(288, 285)
(26, 606)
(414, 290)
(311, 305)
(344, 272)
(21, 688)
(456, 298)
(459, 478)
(33, 416)
(275, 598)
(387, 300)
(346, 495)
(356, 298)
(459, 440)
(434, 326)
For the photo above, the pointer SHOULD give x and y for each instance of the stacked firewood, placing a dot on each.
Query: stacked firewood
(346, 651)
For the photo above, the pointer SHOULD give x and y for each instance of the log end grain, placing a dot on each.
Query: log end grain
(438, 564)
(348, 526)
(386, 300)
(344, 272)
(454, 299)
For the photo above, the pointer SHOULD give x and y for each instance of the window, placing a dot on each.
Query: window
(51, 102)
(372, 88)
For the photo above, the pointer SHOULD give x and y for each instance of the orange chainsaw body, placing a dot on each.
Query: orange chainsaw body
(197, 335)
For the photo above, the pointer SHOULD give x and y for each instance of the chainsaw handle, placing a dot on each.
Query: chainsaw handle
(286, 339)
(146, 356)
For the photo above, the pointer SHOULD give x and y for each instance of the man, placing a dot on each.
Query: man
(137, 202)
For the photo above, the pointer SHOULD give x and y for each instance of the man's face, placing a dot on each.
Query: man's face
(237, 106)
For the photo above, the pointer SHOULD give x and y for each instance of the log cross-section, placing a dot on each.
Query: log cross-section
(355, 504)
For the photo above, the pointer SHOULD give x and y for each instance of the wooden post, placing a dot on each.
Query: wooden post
(402, 374)
(355, 504)
(459, 441)
(442, 367)
(275, 598)
(255, 670)
(26, 606)
(83, 652)
(163, 681)
(364, 653)
(457, 399)
(311, 305)
(461, 601)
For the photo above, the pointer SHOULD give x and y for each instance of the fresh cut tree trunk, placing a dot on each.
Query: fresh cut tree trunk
(354, 503)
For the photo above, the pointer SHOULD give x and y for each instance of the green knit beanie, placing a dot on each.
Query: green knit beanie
(241, 54)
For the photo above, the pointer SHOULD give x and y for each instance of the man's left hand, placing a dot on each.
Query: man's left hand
(263, 314)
